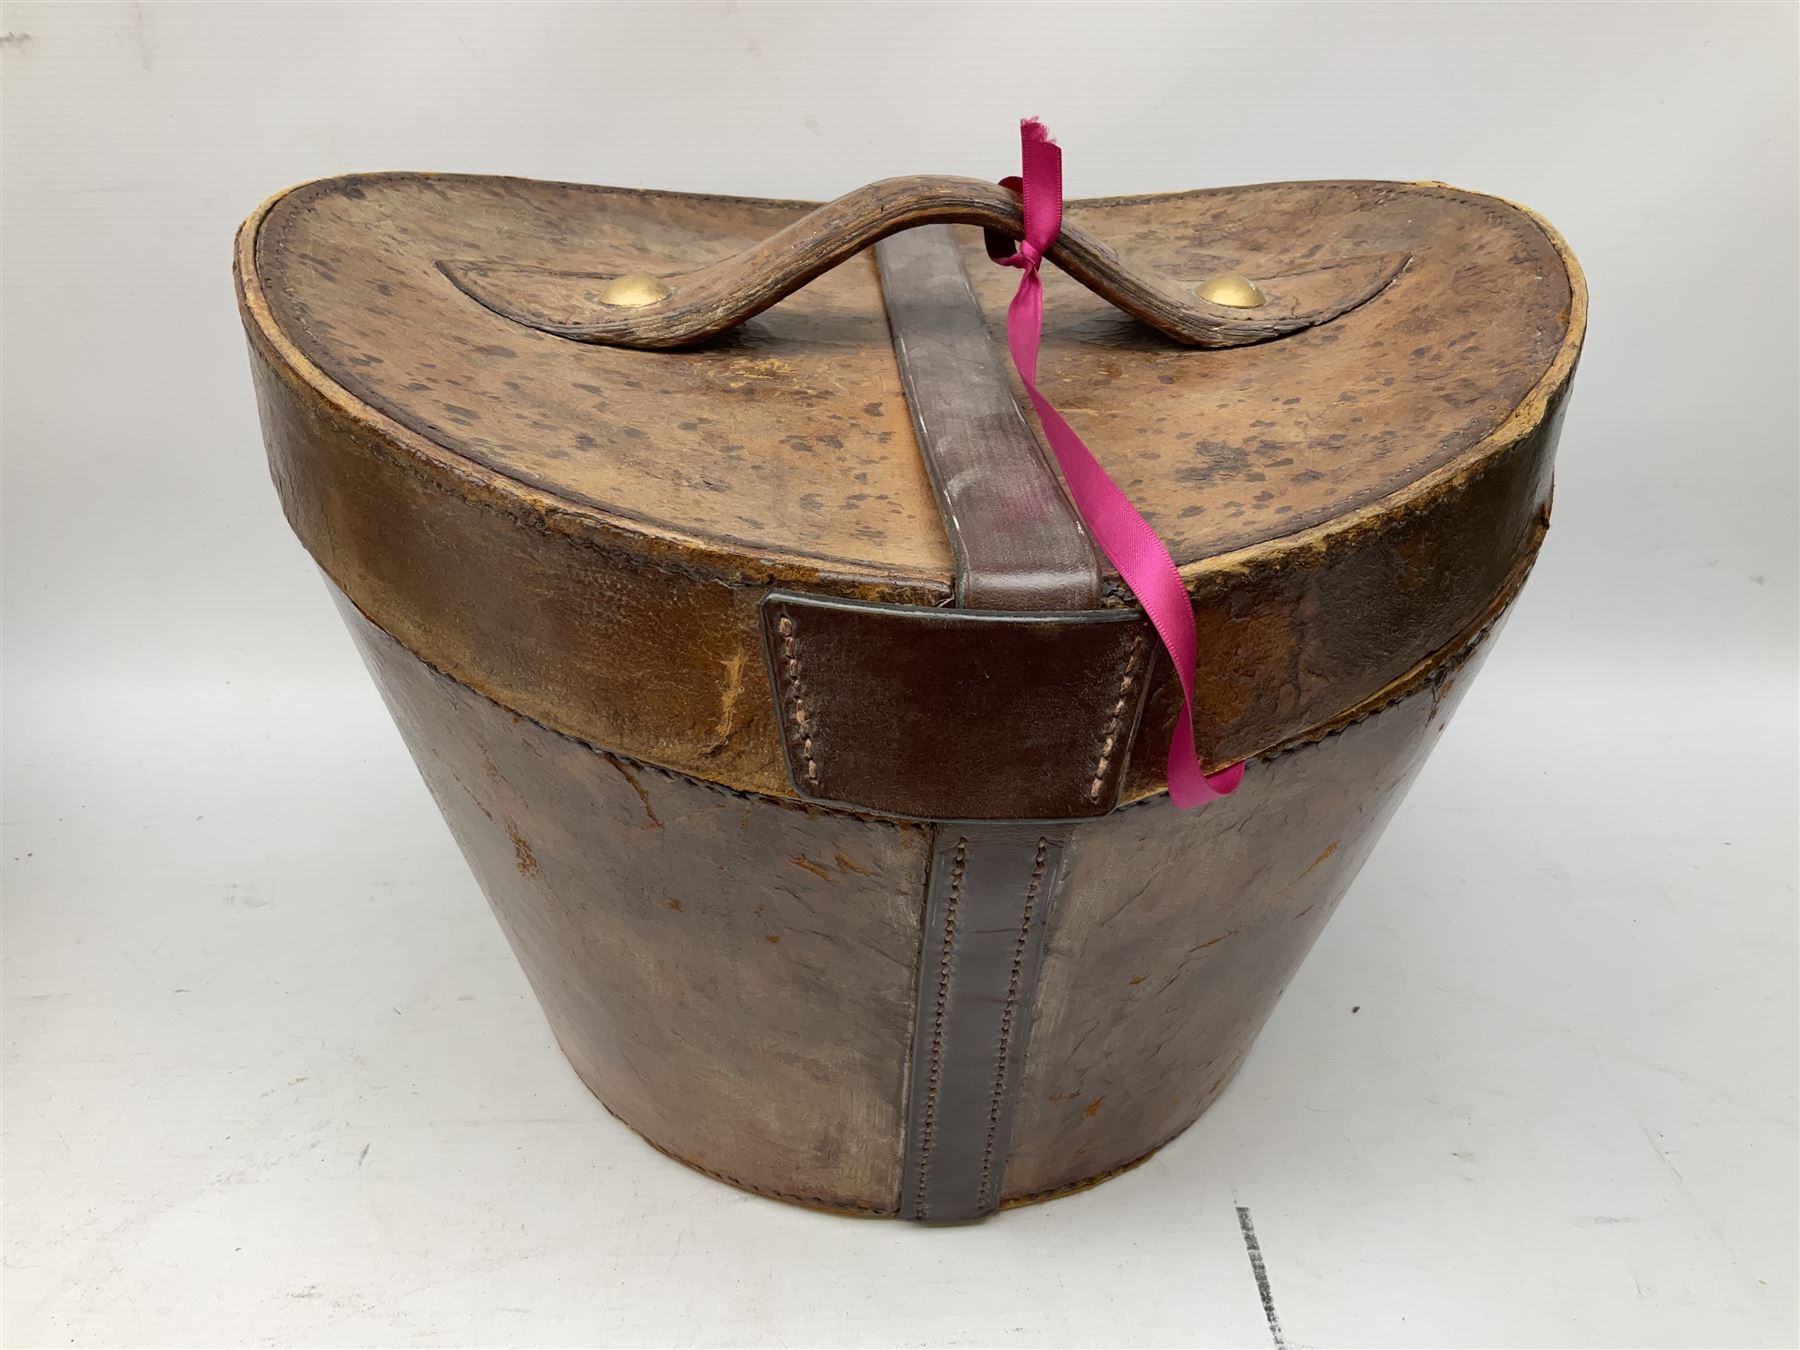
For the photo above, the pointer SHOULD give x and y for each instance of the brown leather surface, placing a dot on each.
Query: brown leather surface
(950, 714)
(659, 658)
(586, 544)
(1177, 932)
(1016, 541)
(585, 534)
(991, 889)
(734, 976)
(925, 712)
(1283, 648)
(788, 443)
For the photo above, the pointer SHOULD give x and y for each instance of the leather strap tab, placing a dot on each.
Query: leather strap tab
(951, 714)
(990, 891)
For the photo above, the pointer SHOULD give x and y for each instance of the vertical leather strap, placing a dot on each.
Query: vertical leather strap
(1018, 545)
(987, 901)
(1017, 541)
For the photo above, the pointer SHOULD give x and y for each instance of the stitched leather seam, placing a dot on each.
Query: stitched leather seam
(1006, 1020)
(934, 1075)
(1117, 715)
(790, 664)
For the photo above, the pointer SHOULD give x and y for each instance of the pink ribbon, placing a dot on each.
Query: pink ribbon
(1122, 533)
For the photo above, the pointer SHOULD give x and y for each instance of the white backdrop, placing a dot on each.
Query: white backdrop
(271, 1075)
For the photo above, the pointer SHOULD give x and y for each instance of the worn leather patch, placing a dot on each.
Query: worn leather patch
(940, 714)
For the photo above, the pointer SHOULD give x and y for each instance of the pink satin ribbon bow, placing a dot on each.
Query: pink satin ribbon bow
(1122, 533)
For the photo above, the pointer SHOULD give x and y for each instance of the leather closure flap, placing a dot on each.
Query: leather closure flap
(947, 714)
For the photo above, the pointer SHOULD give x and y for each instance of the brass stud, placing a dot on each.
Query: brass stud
(1233, 291)
(634, 291)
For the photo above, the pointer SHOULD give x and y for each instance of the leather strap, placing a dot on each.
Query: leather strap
(988, 711)
(1019, 546)
(989, 895)
(956, 714)
(1017, 541)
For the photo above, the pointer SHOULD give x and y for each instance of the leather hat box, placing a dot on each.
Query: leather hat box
(810, 754)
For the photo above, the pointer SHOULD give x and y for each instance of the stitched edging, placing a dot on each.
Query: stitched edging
(1071, 1187)
(934, 1074)
(835, 1204)
(790, 664)
(1434, 669)
(1114, 718)
(1088, 1183)
(1006, 1020)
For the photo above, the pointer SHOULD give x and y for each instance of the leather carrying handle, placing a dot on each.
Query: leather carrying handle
(703, 303)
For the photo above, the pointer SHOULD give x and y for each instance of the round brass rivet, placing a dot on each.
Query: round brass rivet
(634, 291)
(1233, 291)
